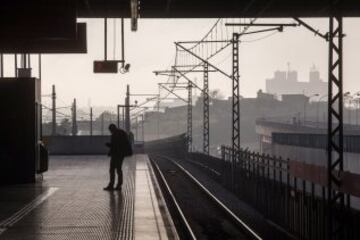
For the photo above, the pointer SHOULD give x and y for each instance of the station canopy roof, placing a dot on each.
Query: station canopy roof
(218, 8)
(50, 26)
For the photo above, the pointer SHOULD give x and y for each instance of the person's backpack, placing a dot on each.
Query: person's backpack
(128, 147)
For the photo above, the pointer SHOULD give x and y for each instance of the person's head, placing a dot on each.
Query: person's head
(112, 128)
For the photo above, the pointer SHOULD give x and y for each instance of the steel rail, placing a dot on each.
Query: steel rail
(220, 204)
(173, 199)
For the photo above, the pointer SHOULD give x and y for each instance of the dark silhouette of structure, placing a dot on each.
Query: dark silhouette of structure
(20, 131)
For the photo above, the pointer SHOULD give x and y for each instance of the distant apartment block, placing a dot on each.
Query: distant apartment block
(286, 82)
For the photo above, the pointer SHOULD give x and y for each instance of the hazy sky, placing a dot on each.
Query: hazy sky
(152, 48)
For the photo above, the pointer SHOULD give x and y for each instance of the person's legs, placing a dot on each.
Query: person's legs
(112, 174)
(119, 173)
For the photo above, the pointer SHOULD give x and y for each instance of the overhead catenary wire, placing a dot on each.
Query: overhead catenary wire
(58, 112)
(259, 39)
(198, 47)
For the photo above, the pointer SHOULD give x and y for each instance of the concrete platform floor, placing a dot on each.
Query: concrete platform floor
(70, 204)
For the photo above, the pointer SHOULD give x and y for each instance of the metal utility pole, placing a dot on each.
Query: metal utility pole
(74, 120)
(39, 100)
(137, 128)
(39, 63)
(127, 110)
(206, 107)
(105, 39)
(235, 94)
(123, 118)
(335, 146)
(91, 121)
(189, 118)
(53, 98)
(158, 114)
(335, 133)
(16, 64)
(102, 123)
(142, 128)
(357, 111)
(122, 43)
(205, 92)
(118, 115)
(1, 65)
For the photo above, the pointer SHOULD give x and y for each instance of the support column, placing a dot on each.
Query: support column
(158, 114)
(189, 118)
(1, 65)
(102, 124)
(74, 119)
(16, 65)
(127, 110)
(118, 115)
(137, 128)
(142, 127)
(123, 117)
(53, 123)
(235, 94)
(206, 120)
(40, 72)
(335, 146)
(91, 121)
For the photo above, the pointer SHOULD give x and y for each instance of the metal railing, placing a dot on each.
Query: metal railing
(297, 205)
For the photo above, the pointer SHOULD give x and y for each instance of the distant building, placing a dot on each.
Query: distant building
(265, 96)
(295, 99)
(287, 83)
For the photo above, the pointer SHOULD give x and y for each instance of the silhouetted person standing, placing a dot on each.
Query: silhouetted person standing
(119, 148)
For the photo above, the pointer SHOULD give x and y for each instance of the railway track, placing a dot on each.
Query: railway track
(197, 214)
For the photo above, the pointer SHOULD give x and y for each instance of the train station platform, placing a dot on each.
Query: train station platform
(70, 203)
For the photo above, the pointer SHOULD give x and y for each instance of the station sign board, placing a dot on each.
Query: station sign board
(106, 66)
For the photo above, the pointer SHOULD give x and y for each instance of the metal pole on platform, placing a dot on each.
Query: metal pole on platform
(102, 123)
(39, 63)
(105, 39)
(41, 115)
(357, 112)
(122, 43)
(118, 115)
(91, 121)
(158, 113)
(137, 128)
(1, 65)
(142, 128)
(29, 61)
(127, 110)
(53, 110)
(16, 65)
(123, 117)
(74, 120)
